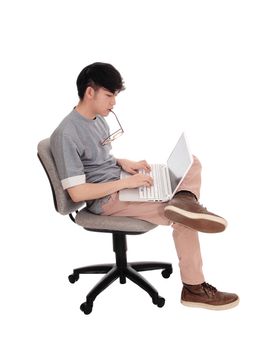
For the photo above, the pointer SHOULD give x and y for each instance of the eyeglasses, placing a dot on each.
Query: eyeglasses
(114, 135)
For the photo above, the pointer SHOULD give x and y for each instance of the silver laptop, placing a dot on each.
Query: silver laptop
(166, 177)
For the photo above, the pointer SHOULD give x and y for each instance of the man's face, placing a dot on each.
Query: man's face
(103, 101)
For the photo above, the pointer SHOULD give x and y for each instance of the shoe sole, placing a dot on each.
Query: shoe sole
(211, 307)
(197, 221)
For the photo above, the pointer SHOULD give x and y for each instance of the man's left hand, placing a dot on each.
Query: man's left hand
(132, 167)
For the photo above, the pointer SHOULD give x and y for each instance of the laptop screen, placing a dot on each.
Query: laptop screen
(179, 163)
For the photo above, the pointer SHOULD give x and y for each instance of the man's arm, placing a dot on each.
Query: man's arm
(132, 167)
(89, 191)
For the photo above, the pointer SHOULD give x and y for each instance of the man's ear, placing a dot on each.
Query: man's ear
(89, 93)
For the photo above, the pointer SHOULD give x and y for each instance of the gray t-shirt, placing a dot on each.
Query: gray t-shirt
(79, 155)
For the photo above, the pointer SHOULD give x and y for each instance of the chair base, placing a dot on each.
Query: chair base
(121, 270)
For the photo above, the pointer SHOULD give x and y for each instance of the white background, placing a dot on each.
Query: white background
(188, 65)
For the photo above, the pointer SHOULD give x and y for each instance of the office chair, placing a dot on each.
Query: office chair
(119, 227)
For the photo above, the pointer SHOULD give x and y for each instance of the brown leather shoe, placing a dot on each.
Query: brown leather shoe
(186, 210)
(208, 297)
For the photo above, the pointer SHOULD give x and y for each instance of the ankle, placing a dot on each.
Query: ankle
(186, 193)
(193, 284)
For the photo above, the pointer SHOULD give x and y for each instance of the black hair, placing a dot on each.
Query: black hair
(99, 75)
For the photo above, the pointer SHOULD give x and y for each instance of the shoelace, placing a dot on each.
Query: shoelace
(204, 210)
(209, 288)
(201, 207)
(190, 196)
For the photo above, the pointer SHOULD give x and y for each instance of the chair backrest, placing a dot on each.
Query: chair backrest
(62, 201)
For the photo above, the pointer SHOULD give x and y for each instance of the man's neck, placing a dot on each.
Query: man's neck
(85, 111)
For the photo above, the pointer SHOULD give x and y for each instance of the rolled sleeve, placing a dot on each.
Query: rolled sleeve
(73, 181)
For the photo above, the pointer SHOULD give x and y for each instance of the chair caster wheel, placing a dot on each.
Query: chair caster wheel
(167, 272)
(159, 301)
(86, 308)
(73, 278)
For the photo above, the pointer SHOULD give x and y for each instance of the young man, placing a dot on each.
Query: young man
(81, 147)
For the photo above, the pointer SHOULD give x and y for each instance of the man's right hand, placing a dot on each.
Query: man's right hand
(138, 180)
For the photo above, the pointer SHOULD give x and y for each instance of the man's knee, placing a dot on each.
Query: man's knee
(197, 163)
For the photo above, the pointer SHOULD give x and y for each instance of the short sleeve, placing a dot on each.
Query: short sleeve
(68, 162)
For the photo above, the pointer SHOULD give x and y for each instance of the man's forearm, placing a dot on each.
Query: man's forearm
(90, 191)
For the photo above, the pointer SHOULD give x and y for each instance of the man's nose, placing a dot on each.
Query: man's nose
(113, 101)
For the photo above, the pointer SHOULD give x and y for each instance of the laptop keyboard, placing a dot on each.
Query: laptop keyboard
(159, 188)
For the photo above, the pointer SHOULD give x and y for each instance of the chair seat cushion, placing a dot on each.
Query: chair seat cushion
(105, 223)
